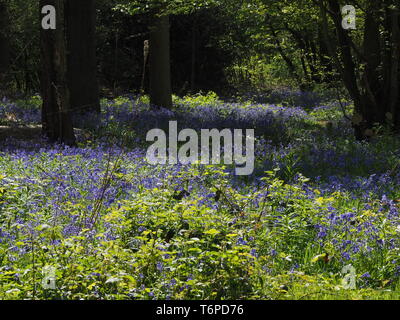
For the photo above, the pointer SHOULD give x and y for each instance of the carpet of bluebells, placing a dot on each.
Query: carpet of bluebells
(318, 219)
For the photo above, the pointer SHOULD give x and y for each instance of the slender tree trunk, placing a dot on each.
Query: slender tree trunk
(56, 116)
(160, 69)
(4, 43)
(81, 46)
(347, 68)
(291, 66)
(193, 62)
(394, 87)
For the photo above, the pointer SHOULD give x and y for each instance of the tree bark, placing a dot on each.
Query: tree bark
(4, 43)
(193, 58)
(81, 47)
(394, 87)
(374, 87)
(56, 115)
(160, 68)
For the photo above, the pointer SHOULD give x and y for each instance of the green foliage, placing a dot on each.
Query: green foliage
(186, 251)
(164, 6)
(211, 98)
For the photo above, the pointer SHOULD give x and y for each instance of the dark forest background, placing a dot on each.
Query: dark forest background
(233, 48)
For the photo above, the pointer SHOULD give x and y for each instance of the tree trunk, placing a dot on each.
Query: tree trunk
(81, 46)
(160, 69)
(374, 85)
(56, 116)
(394, 86)
(193, 58)
(4, 43)
(290, 64)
